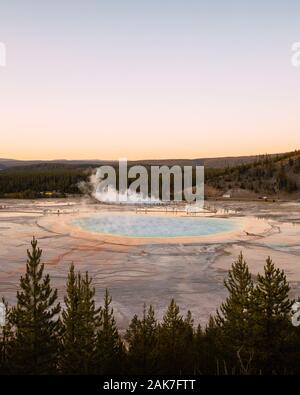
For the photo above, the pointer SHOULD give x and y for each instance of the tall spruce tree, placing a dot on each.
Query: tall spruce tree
(142, 339)
(212, 353)
(198, 350)
(109, 346)
(272, 318)
(80, 320)
(235, 315)
(35, 320)
(175, 342)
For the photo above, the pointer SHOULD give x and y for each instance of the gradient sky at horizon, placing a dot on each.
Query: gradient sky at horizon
(148, 79)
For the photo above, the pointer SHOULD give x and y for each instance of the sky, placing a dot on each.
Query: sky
(148, 79)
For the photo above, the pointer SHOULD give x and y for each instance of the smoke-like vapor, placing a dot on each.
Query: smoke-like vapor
(111, 195)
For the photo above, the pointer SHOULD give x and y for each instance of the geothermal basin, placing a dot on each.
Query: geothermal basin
(145, 255)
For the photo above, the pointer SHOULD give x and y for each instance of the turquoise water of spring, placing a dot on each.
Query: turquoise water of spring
(139, 225)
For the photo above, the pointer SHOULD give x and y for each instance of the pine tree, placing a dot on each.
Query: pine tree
(142, 338)
(175, 342)
(235, 314)
(90, 323)
(109, 347)
(69, 356)
(198, 354)
(212, 353)
(80, 321)
(272, 317)
(34, 319)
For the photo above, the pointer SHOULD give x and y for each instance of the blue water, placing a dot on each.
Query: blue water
(137, 225)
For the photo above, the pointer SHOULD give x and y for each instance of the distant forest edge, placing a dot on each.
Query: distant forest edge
(242, 177)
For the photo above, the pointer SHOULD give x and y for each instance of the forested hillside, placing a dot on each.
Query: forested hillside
(271, 175)
(43, 180)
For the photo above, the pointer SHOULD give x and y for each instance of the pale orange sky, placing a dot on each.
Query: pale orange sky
(147, 80)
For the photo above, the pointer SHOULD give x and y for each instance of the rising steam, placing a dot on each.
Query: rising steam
(111, 195)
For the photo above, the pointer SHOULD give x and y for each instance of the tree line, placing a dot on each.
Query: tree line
(270, 174)
(251, 332)
(38, 181)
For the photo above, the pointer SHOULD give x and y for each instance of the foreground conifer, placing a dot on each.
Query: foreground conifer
(235, 315)
(80, 320)
(110, 353)
(35, 320)
(175, 342)
(142, 339)
(272, 317)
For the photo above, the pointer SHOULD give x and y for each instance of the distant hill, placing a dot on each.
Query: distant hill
(208, 162)
(8, 163)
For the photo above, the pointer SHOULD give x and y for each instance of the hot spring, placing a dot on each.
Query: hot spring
(143, 225)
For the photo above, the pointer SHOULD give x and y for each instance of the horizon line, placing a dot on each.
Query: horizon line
(146, 159)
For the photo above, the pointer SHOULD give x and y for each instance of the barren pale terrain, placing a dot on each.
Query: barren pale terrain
(192, 271)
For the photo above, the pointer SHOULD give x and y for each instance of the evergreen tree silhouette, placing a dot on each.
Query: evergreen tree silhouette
(35, 319)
